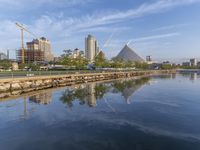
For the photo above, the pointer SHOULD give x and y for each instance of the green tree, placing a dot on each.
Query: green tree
(80, 62)
(5, 64)
(66, 61)
(101, 62)
(33, 67)
(129, 64)
(117, 63)
(22, 66)
(141, 65)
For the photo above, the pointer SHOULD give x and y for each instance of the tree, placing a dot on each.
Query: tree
(101, 62)
(5, 64)
(33, 67)
(117, 63)
(167, 66)
(141, 65)
(129, 64)
(66, 61)
(80, 62)
(67, 52)
(22, 66)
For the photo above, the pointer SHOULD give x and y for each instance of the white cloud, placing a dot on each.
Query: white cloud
(153, 37)
(60, 30)
(17, 4)
(171, 27)
(88, 22)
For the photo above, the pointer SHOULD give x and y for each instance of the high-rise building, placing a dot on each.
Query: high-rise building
(45, 46)
(37, 50)
(193, 62)
(91, 47)
(3, 56)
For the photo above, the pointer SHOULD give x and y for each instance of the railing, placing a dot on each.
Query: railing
(15, 74)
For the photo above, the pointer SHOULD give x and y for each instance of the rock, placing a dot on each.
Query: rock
(16, 92)
(47, 82)
(26, 85)
(15, 86)
(39, 83)
(4, 95)
(5, 87)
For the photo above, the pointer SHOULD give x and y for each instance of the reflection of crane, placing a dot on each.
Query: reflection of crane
(22, 38)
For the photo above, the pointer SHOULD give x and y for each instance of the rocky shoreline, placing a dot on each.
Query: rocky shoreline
(18, 86)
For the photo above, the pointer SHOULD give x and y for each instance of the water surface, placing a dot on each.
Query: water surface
(157, 113)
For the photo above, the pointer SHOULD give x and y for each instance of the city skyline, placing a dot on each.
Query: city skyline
(158, 28)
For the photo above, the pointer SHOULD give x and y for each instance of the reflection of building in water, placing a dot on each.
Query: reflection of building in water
(128, 92)
(91, 98)
(130, 87)
(42, 98)
(193, 76)
(174, 76)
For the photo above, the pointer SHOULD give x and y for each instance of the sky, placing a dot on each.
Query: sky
(164, 29)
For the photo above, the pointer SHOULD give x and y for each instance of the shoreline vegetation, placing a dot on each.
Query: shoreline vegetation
(17, 86)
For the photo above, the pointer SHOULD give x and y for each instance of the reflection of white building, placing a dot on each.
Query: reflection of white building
(91, 99)
(42, 98)
(193, 76)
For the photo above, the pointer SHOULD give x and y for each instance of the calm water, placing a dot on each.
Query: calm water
(157, 113)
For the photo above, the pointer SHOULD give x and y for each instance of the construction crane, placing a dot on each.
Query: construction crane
(22, 38)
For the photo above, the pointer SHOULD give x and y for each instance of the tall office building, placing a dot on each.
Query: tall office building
(91, 48)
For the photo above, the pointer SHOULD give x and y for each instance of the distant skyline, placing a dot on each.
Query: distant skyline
(164, 29)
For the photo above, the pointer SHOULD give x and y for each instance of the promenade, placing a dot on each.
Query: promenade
(19, 85)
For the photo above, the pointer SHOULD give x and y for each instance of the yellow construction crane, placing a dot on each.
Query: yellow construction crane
(22, 38)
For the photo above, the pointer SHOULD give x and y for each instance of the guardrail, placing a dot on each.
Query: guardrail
(15, 74)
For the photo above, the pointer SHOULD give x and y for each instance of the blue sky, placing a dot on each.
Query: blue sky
(164, 29)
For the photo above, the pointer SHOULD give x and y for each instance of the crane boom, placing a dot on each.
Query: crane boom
(23, 28)
(22, 38)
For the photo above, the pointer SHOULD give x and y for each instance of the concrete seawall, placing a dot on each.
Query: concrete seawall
(17, 86)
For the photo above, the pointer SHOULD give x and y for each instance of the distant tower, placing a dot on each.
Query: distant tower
(148, 58)
(8, 54)
(193, 62)
(91, 48)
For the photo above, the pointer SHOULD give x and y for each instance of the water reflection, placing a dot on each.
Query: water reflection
(128, 87)
(90, 93)
(86, 94)
(164, 116)
(42, 98)
(193, 76)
